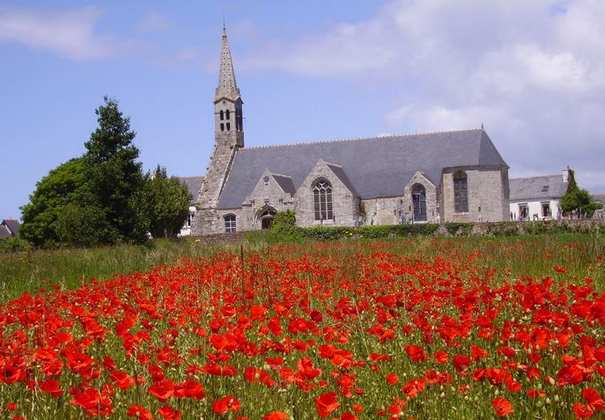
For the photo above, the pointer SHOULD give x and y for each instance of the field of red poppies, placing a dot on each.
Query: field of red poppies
(346, 330)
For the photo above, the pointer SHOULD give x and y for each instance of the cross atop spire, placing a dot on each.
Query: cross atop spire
(227, 86)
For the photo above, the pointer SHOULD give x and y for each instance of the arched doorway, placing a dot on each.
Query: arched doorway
(265, 215)
(419, 202)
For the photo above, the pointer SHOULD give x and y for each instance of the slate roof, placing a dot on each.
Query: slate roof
(4, 232)
(341, 174)
(537, 187)
(285, 182)
(375, 167)
(11, 226)
(193, 184)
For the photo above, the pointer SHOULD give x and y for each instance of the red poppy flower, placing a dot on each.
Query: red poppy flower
(415, 353)
(570, 375)
(162, 390)
(52, 387)
(582, 410)
(226, 404)
(122, 379)
(502, 406)
(169, 413)
(413, 388)
(276, 415)
(593, 398)
(326, 404)
(392, 378)
(140, 412)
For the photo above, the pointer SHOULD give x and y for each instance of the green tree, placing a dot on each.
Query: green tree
(113, 173)
(44, 217)
(166, 202)
(578, 201)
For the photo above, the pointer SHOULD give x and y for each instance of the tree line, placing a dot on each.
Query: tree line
(103, 196)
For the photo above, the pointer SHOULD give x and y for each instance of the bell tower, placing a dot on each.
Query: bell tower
(228, 138)
(228, 110)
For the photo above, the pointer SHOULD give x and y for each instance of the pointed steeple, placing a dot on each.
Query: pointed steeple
(227, 86)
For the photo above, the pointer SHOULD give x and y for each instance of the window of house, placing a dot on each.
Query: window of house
(228, 114)
(230, 224)
(523, 211)
(222, 127)
(228, 126)
(222, 115)
(322, 200)
(546, 212)
(460, 192)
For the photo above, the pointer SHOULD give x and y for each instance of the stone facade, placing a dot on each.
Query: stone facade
(345, 202)
(488, 195)
(406, 179)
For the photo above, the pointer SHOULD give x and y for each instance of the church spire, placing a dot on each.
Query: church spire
(227, 86)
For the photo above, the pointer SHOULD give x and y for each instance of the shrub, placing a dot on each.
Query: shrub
(14, 245)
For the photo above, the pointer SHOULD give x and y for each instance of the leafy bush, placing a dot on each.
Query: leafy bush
(14, 245)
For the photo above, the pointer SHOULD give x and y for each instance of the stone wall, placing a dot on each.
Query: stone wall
(345, 202)
(488, 196)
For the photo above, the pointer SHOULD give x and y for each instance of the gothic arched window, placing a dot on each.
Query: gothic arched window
(460, 192)
(322, 200)
(222, 115)
(230, 224)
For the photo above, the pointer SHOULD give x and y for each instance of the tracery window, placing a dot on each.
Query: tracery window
(322, 200)
(230, 224)
(460, 192)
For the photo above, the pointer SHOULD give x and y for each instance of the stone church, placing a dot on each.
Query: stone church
(455, 176)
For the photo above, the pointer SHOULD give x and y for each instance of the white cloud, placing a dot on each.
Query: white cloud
(70, 32)
(532, 71)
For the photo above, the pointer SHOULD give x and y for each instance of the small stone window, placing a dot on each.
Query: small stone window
(322, 200)
(230, 223)
(222, 115)
(460, 192)
(228, 126)
(222, 127)
(228, 114)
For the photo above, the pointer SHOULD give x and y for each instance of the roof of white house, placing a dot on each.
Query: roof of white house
(537, 188)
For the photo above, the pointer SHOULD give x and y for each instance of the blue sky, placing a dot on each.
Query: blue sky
(534, 74)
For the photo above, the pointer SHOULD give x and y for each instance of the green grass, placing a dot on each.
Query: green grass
(67, 268)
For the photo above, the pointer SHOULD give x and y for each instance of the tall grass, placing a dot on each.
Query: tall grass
(68, 268)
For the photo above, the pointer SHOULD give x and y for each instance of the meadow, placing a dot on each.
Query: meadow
(406, 328)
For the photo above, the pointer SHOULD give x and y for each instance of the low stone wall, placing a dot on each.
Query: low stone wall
(522, 228)
(392, 231)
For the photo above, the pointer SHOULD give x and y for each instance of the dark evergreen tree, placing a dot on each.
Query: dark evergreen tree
(114, 175)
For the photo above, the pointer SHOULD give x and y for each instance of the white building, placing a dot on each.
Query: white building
(537, 198)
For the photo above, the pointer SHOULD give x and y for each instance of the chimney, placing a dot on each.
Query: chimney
(565, 174)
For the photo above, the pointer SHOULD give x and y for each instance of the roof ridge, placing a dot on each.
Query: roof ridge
(278, 174)
(354, 139)
(537, 176)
